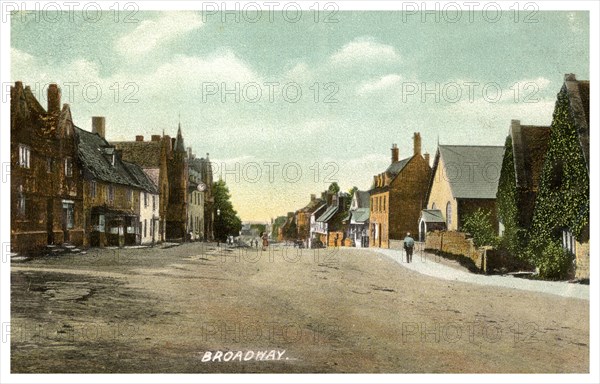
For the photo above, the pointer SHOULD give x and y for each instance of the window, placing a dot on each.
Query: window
(111, 193)
(49, 164)
(129, 196)
(145, 199)
(68, 167)
(448, 214)
(145, 226)
(384, 202)
(154, 202)
(93, 188)
(24, 156)
(68, 208)
(21, 205)
(568, 241)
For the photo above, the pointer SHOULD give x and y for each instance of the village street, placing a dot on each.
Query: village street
(198, 308)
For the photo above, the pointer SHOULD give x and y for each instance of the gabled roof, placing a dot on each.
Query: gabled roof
(96, 156)
(471, 170)
(529, 145)
(140, 176)
(360, 215)
(432, 216)
(312, 206)
(363, 199)
(396, 167)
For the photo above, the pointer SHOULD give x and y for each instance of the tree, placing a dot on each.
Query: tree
(227, 221)
(334, 187)
(352, 191)
(479, 225)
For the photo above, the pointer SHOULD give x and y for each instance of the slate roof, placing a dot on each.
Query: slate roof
(472, 171)
(140, 176)
(364, 199)
(396, 167)
(96, 156)
(312, 206)
(529, 145)
(432, 216)
(360, 215)
(146, 154)
(328, 214)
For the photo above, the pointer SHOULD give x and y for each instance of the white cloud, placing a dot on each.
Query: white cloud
(362, 51)
(151, 33)
(378, 84)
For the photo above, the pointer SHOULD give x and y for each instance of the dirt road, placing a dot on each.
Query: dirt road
(196, 308)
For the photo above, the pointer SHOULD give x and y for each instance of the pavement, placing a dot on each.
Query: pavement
(426, 264)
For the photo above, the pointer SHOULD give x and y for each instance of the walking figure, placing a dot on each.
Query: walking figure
(409, 244)
(265, 241)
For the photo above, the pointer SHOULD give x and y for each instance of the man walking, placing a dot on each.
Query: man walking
(409, 243)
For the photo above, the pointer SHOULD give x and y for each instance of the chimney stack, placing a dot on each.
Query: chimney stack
(99, 126)
(417, 143)
(570, 77)
(155, 137)
(53, 98)
(394, 153)
(313, 197)
(190, 154)
(139, 138)
(426, 157)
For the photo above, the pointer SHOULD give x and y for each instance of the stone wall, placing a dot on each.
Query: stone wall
(455, 243)
(582, 260)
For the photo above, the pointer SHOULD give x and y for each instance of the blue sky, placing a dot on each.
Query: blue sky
(374, 66)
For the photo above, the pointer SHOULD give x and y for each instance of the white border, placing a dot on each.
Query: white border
(593, 377)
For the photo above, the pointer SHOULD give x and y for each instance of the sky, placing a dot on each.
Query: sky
(285, 108)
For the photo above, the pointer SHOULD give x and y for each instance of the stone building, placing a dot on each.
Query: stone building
(46, 182)
(358, 219)
(464, 179)
(152, 156)
(149, 203)
(328, 227)
(303, 216)
(397, 196)
(196, 203)
(111, 193)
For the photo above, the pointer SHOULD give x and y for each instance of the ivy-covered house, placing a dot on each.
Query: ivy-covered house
(560, 224)
(524, 155)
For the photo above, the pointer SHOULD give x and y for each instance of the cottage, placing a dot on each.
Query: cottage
(464, 179)
(303, 216)
(149, 201)
(358, 219)
(328, 227)
(46, 182)
(397, 197)
(111, 193)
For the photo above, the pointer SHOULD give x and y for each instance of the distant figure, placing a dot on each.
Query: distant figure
(409, 244)
(265, 241)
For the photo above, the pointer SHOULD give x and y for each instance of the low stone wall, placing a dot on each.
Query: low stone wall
(455, 243)
(582, 260)
(396, 244)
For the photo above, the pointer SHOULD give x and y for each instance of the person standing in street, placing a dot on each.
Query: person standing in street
(409, 244)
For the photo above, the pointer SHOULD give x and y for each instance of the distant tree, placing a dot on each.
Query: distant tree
(352, 191)
(227, 221)
(334, 187)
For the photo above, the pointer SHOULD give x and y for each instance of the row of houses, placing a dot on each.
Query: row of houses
(73, 186)
(412, 195)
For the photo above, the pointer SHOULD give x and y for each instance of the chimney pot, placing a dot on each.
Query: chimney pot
(139, 138)
(99, 125)
(53, 98)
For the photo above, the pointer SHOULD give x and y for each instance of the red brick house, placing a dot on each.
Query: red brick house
(397, 196)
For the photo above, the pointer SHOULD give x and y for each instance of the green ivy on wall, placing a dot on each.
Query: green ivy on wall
(563, 197)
